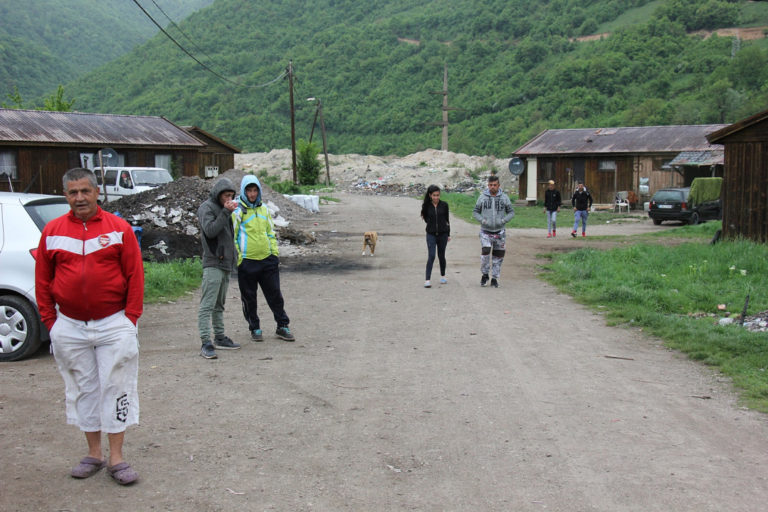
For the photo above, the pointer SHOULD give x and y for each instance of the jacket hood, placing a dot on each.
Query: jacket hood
(249, 179)
(221, 185)
(487, 192)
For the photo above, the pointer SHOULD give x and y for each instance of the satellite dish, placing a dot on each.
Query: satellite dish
(109, 158)
(516, 166)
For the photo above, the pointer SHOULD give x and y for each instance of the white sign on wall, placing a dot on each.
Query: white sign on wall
(211, 171)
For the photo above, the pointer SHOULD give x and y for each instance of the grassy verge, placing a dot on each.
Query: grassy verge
(673, 293)
(169, 281)
(461, 205)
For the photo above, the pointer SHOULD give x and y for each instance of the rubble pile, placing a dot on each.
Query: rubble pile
(167, 216)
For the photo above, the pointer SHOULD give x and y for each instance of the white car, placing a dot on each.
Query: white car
(22, 218)
(123, 181)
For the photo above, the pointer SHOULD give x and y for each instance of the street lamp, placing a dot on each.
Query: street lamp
(319, 111)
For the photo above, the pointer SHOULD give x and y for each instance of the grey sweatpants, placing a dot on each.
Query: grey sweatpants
(212, 298)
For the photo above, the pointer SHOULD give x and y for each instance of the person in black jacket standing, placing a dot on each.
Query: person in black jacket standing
(552, 202)
(581, 202)
(435, 215)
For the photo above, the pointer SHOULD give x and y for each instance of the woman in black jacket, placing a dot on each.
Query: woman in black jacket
(435, 215)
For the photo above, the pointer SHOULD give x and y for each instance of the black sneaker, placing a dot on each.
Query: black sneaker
(224, 342)
(207, 351)
(494, 283)
(484, 280)
(284, 333)
(257, 335)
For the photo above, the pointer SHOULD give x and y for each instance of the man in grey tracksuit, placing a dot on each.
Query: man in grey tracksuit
(219, 259)
(493, 210)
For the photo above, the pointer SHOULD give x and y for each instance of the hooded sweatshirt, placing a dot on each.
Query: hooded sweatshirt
(493, 212)
(217, 238)
(254, 230)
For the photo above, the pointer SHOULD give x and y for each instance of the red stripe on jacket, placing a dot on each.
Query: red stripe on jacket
(92, 269)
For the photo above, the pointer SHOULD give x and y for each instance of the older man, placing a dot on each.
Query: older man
(89, 266)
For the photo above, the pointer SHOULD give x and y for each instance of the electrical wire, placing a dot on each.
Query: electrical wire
(206, 67)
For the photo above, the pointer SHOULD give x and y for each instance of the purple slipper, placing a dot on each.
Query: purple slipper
(89, 466)
(123, 473)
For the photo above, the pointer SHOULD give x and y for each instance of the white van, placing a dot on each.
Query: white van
(124, 181)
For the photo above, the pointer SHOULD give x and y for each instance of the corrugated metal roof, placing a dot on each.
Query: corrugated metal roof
(638, 139)
(697, 158)
(39, 126)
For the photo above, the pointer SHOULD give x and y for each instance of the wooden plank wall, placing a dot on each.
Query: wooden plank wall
(745, 191)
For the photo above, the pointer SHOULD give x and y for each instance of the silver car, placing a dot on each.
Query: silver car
(22, 218)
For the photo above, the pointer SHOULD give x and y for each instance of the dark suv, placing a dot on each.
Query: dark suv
(673, 204)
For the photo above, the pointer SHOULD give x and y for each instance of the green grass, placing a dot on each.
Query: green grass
(630, 17)
(462, 205)
(669, 291)
(169, 281)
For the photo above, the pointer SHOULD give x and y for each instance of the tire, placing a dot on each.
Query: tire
(19, 328)
(657, 222)
(694, 219)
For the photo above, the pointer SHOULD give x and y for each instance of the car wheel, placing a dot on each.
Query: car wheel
(657, 222)
(19, 328)
(694, 219)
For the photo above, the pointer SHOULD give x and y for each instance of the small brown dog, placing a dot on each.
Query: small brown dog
(369, 240)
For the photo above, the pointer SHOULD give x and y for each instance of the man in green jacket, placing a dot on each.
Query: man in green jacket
(257, 260)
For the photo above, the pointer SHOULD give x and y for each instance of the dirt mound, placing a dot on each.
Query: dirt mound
(167, 215)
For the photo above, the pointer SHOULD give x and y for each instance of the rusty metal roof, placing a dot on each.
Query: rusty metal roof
(64, 128)
(697, 159)
(632, 140)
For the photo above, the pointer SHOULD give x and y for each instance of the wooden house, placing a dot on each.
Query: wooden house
(610, 160)
(38, 147)
(217, 156)
(745, 183)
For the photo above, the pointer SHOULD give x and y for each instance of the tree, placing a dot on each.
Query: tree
(56, 102)
(16, 101)
(308, 166)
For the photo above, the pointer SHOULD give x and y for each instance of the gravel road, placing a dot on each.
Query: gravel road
(396, 397)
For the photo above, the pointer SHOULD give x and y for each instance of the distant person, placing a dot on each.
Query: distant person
(218, 241)
(257, 260)
(125, 180)
(493, 210)
(89, 282)
(552, 202)
(581, 202)
(435, 214)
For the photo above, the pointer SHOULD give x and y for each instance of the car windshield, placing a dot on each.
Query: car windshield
(668, 195)
(44, 210)
(151, 177)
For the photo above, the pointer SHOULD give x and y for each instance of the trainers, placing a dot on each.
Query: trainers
(484, 280)
(284, 333)
(549, 235)
(443, 280)
(207, 351)
(225, 343)
(554, 233)
(427, 284)
(494, 283)
(584, 234)
(573, 234)
(256, 335)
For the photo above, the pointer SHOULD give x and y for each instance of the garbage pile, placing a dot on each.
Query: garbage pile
(167, 216)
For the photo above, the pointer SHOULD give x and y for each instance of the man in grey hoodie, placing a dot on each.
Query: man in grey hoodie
(493, 210)
(219, 258)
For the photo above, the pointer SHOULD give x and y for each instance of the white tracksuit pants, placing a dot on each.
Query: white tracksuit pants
(99, 361)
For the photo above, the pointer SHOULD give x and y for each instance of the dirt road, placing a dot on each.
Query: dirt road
(396, 397)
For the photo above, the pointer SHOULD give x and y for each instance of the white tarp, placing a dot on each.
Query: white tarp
(311, 203)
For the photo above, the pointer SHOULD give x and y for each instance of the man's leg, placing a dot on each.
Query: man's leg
(269, 279)
(217, 316)
(247, 280)
(485, 253)
(209, 292)
(549, 222)
(584, 216)
(554, 222)
(499, 249)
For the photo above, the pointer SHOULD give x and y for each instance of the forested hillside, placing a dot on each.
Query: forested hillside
(514, 69)
(44, 43)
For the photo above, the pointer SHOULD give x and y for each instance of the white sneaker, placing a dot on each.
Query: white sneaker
(443, 280)
(427, 284)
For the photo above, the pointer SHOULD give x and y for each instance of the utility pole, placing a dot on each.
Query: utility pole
(293, 123)
(319, 111)
(446, 108)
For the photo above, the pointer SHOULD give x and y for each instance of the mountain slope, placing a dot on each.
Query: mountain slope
(514, 69)
(44, 43)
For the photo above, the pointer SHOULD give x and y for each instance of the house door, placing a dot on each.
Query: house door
(578, 171)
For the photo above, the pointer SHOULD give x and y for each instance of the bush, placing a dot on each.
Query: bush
(308, 166)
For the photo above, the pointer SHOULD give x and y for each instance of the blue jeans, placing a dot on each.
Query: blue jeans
(551, 221)
(439, 243)
(580, 214)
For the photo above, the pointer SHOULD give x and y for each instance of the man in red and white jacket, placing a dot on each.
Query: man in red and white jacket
(89, 283)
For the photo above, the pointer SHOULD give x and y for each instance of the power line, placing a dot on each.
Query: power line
(219, 75)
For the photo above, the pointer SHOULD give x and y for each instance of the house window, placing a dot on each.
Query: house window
(163, 161)
(8, 167)
(546, 171)
(607, 166)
